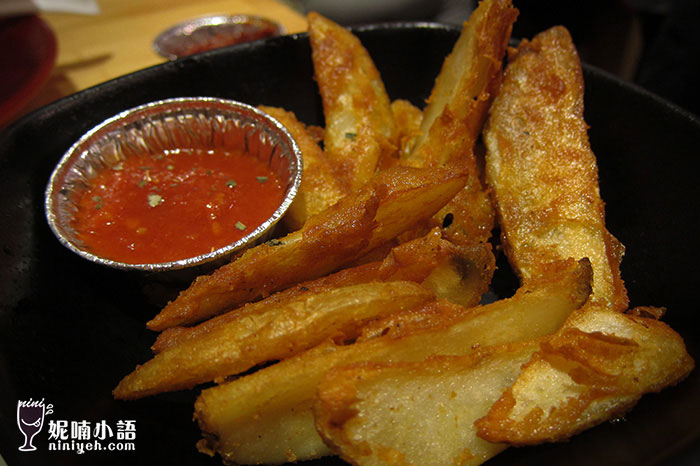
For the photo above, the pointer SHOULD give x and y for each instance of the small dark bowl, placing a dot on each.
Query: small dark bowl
(69, 331)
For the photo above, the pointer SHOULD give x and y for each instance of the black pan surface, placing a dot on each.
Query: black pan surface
(69, 329)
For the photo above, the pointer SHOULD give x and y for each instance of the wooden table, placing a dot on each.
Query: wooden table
(94, 49)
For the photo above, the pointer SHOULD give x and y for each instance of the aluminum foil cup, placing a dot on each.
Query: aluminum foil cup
(210, 32)
(181, 123)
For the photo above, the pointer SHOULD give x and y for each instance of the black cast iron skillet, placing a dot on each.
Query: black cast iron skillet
(69, 330)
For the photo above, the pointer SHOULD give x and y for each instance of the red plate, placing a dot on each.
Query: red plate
(26, 60)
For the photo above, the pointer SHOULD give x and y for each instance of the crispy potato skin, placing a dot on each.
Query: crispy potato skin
(395, 200)
(271, 266)
(417, 260)
(268, 333)
(336, 306)
(541, 169)
(360, 131)
(594, 369)
(541, 390)
(468, 81)
(319, 188)
(256, 418)
(544, 178)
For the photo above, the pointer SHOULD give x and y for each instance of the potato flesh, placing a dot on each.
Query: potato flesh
(249, 420)
(469, 79)
(596, 367)
(418, 413)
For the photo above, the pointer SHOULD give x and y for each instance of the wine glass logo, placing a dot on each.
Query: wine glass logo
(30, 420)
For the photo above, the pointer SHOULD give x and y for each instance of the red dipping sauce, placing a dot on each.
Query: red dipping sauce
(174, 205)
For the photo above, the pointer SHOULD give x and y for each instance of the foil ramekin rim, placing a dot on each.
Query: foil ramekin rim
(211, 20)
(173, 104)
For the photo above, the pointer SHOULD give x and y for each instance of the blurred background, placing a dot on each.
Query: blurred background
(52, 48)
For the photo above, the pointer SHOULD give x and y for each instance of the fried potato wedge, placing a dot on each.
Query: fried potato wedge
(319, 188)
(266, 417)
(458, 273)
(394, 201)
(408, 119)
(463, 278)
(594, 369)
(360, 130)
(469, 215)
(457, 107)
(541, 169)
(416, 413)
(468, 81)
(273, 332)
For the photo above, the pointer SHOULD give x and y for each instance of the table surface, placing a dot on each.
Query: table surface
(95, 48)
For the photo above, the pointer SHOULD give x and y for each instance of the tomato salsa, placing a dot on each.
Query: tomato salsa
(174, 205)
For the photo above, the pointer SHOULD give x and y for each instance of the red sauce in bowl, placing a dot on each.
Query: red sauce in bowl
(155, 208)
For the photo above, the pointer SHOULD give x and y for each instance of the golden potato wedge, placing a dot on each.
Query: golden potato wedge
(463, 278)
(458, 273)
(408, 119)
(468, 81)
(541, 169)
(293, 320)
(457, 107)
(416, 413)
(265, 417)
(269, 333)
(469, 215)
(360, 129)
(594, 369)
(394, 201)
(319, 188)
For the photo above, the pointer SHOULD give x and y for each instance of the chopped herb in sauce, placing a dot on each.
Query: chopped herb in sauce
(240, 226)
(154, 199)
